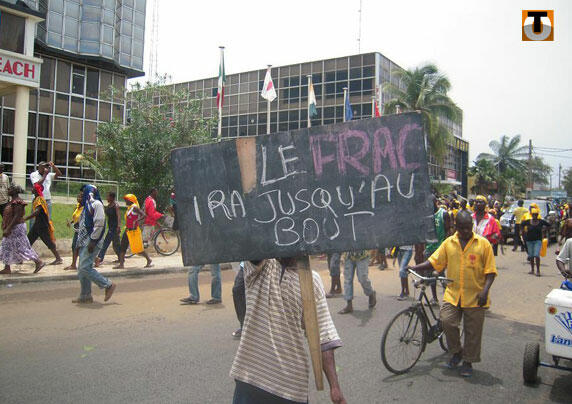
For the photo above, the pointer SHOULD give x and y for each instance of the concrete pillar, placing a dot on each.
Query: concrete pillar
(20, 135)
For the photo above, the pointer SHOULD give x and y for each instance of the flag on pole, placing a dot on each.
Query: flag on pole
(377, 113)
(268, 90)
(312, 102)
(349, 113)
(221, 81)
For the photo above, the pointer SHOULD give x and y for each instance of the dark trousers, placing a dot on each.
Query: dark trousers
(37, 232)
(495, 249)
(239, 296)
(112, 236)
(245, 393)
(517, 239)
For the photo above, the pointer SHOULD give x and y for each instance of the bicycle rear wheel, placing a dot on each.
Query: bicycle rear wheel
(403, 341)
(166, 241)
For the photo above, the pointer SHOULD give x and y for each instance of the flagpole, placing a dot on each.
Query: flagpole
(219, 132)
(268, 107)
(345, 95)
(308, 107)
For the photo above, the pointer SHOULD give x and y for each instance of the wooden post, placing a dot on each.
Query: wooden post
(311, 318)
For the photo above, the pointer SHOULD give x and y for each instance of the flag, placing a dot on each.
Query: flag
(268, 90)
(349, 113)
(312, 111)
(377, 113)
(221, 81)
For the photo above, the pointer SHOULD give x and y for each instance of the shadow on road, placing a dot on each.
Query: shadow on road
(363, 315)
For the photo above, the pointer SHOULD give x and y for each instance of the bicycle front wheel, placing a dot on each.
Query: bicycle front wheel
(403, 341)
(166, 241)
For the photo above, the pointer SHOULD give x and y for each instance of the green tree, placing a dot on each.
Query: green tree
(540, 171)
(137, 154)
(485, 177)
(425, 89)
(567, 181)
(506, 154)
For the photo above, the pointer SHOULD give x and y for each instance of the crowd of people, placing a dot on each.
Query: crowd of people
(139, 223)
(266, 293)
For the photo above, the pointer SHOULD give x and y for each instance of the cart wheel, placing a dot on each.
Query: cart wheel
(530, 362)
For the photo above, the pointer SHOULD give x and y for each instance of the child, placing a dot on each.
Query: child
(132, 234)
(75, 222)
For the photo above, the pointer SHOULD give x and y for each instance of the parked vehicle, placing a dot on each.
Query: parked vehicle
(547, 211)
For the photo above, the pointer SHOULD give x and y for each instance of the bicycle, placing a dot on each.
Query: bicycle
(166, 241)
(412, 329)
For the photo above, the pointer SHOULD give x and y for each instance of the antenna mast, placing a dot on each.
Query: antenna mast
(154, 41)
(359, 28)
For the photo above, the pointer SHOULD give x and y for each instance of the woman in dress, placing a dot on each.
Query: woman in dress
(15, 247)
(43, 228)
(132, 234)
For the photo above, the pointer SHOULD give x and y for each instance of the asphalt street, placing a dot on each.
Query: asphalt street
(143, 346)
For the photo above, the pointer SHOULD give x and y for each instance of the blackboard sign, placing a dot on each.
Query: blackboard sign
(349, 186)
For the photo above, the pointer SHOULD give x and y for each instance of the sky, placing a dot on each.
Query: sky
(504, 85)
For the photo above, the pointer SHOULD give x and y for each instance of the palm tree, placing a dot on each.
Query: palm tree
(507, 154)
(485, 177)
(425, 89)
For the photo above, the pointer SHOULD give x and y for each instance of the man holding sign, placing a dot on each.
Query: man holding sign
(271, 364)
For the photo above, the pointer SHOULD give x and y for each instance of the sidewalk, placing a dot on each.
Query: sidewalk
(133, 266)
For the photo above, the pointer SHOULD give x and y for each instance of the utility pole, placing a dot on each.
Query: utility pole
(559, 172)
(531, 184)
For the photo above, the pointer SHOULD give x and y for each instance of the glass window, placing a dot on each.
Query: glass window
(32, 125)
(105, 84)
(78, 81)
(355, 73)
(60, 153)
(118, 112)
(90, 13)
(7, 147)
(77, 107)
(76, 128)
(47, 73)
(330, 65)
(329, 112)
(43, 150)
(62, 104)
(8, 121)
(33, 104)
(60, 128)
(46, 101)
(72, 27)
(55, 23)
(89, 31)
(45, 126)
(90, 132)
(368, 71)
(12, 30)
(92, 87)
(342, 63)
(330, 89)
(330, 76)
(355, 86)
(57, 5)
(105, 111)
(63, 77)
(72, 9)
(91, 109)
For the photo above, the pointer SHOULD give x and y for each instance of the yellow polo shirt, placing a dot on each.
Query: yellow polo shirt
(518, 213)
(466, 268)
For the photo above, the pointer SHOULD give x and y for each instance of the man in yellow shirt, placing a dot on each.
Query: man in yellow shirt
(470, 263)
(517, 215)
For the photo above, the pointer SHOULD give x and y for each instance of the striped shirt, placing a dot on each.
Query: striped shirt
(272, 354)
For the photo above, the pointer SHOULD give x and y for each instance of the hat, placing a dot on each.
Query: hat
(534, 210)
(481, 198)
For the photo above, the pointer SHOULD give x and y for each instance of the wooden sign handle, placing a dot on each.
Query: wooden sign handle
(311, 318)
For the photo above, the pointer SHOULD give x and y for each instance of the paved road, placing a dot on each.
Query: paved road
(144, 347)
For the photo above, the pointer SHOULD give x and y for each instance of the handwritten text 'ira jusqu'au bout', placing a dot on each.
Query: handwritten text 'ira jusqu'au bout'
(290, 211)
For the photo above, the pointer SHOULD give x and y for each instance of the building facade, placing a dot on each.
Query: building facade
(88, 50)
(245, 112)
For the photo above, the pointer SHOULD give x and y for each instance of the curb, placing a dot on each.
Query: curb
(107, 274)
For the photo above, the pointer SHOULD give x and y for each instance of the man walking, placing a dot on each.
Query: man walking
(193, 278)
(470, 263)
(517, 215)
(357, 261)
(4, 185)
(151, 215)
(46, 182)
(271, 363)
(334, 262)
(89, 242)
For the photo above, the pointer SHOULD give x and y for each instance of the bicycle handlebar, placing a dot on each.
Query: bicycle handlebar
(428, 279)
